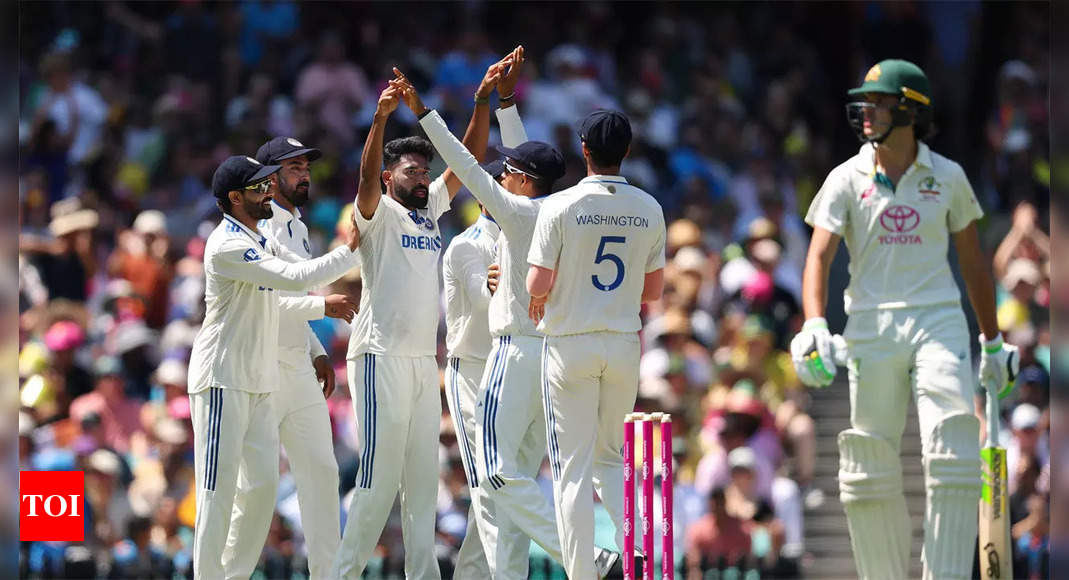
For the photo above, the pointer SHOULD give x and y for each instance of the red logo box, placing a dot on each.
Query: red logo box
(52, 506)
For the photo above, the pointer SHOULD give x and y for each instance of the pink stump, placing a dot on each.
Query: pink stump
(629, 498)
(668, 568)
(647, 497)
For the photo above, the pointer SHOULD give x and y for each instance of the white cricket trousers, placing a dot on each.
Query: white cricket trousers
(398, 409)
(304, 430)
(232, 430)
(893, 355)
(462, 379)
(510, 444)
(589, 383)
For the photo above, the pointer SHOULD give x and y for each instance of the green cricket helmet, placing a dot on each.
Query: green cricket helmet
(894, 77)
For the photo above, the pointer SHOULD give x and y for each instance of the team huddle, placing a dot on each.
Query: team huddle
(543, 295)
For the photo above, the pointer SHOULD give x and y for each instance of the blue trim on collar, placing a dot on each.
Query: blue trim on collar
(262, 241)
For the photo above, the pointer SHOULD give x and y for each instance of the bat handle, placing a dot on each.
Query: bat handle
(992, 415)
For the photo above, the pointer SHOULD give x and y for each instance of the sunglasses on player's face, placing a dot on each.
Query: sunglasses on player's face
(512, 169)
(261, 186)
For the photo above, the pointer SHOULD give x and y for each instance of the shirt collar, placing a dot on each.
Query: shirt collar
(865, 161)
(296, 213)
(255, 235)
(603, 179)
(488, 224)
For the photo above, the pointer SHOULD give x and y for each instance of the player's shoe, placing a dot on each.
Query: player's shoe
(608, 563)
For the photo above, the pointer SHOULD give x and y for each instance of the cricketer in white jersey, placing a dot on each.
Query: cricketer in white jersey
(233, 367)
(393, 374)
(598, 252)
(303, 420)
(467, 296)
(898, 205)
(510, 430)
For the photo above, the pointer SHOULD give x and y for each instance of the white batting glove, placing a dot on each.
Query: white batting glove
(999, 364)
(813, 353)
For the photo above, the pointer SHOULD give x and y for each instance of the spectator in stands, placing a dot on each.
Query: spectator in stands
(142, 258)
(332, 89)
(120, 417)
(1026, 439)
(716, 540)
(136, 557)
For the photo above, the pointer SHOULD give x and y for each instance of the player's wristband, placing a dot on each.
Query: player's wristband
(507, 99)
(991, 346)
(481, 100)
(424, 114)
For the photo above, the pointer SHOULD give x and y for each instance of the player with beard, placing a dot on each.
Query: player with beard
(393, 374)
(233, 371)
(303, 419)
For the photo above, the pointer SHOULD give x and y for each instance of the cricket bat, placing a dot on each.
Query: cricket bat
(996, 556)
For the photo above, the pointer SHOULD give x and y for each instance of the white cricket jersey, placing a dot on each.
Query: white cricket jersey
(602, 237)
(467, 298)
(295, 338)
(897, 237)
(515, 214)
(399, 251)
(237, 344)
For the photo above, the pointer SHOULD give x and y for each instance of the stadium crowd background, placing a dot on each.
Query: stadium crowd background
(127, 108)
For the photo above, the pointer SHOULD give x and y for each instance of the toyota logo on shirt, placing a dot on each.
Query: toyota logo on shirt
(899, 220)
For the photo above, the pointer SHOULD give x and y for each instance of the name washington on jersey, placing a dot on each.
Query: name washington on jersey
(612, 220)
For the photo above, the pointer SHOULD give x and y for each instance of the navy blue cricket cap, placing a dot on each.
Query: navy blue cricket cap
(495, 168)
(281, 148)
(239, 172)
(537, 158)
(606, 131)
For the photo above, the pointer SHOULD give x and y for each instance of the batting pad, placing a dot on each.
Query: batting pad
(870, 488)
(952, 468)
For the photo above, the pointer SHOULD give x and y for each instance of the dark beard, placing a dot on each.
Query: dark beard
(298, 197)
(409, 199)
(258, 211)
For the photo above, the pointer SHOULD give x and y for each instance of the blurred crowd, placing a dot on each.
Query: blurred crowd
(127, 108)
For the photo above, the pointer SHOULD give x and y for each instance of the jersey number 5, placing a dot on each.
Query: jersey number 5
(602, 256)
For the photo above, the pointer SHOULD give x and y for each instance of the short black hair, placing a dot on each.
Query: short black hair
(394, 150)
(604, 158)
(223, 203)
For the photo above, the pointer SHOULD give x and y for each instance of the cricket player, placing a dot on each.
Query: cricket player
(393, 375)
(510, 431)
(597, 255)
(234, 365)
(300, 402)
(466, 275)
(898, 205)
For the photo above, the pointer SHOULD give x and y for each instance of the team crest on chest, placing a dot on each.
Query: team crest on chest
(929, 189)
(426, 223)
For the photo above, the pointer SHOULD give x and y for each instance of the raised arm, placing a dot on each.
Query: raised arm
(508, 118)
(369, 191)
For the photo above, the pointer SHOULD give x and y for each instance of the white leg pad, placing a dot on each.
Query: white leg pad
(952, 468)
(870, 488)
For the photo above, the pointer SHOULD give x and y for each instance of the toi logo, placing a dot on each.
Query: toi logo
(52, 506)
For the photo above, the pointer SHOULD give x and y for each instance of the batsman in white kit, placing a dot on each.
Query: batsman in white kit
(393, 374)
(898, 205)
(597, 255)
(300, 402)
(234, 364)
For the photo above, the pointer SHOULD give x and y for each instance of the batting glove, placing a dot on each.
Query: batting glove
(813, 353)
(999, 364)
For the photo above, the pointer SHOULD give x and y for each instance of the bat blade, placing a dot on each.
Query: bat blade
(996, 558)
